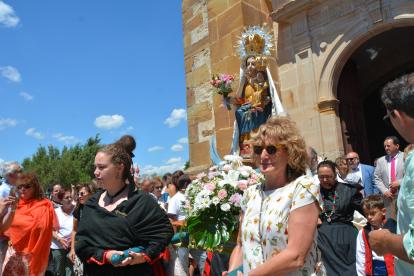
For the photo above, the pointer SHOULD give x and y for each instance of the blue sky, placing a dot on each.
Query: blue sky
(72, 69)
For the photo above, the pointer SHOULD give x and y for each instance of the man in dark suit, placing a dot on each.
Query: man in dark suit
(365, 172)
(389, 174)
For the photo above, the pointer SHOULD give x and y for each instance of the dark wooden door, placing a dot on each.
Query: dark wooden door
(352, 113)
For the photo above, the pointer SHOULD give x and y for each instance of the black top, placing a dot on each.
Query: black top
(138, 221)
(77, 213)
(348, 200)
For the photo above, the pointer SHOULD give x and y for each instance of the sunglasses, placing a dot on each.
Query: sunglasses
(26, 186)
(351, 159)
(158, 188)
(322, 177)
(20, 171)
(82, 194)
(387, 118)
(270, 149)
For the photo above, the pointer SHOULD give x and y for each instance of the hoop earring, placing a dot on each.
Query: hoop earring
(289, 171)
(117, 177)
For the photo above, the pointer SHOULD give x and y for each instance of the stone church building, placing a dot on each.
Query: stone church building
(332, 59)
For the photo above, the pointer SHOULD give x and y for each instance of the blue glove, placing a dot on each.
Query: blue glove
(117, 259)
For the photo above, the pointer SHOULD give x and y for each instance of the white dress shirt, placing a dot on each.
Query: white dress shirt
(360, 254)
(389, 169)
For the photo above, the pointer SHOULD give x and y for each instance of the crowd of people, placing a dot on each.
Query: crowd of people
(311, 216)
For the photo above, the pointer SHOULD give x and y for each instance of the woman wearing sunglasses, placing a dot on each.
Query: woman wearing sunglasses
(336, 237)
(283, 208)
(31, 230)
(84, 191)
(156, 191)
(61, 241)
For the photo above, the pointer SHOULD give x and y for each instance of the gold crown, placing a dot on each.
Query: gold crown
(255, 43)
(261, 63)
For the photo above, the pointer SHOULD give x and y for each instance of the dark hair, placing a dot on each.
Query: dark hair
(373, 201)
(165, 177)
(62, 193)
(312, 152)
(394, 140)
(327, 164)
(399, 95)
(176, 175)
(184, 179)
(54, 185)
(90, 187)
(32, 179)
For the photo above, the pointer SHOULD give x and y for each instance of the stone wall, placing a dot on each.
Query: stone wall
(210, 29)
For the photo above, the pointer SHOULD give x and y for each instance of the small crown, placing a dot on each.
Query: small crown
(261, 63)
(255, 43)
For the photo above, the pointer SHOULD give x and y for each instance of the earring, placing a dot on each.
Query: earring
(117, 177)
(289, 171)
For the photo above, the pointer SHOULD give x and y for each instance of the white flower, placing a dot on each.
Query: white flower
(206, 202)
(245, 174)
(216, 200)
(225, 207)
(233, 158)
(222, 163)
(231, 178)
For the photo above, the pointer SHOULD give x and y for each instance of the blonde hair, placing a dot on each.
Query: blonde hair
(281, 131)
(407, 150)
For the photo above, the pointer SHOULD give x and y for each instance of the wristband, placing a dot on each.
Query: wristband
(13, 210)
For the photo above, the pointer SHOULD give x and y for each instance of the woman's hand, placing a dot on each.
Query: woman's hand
(64, 242)
(14, 202)
(224, 273)
(137, 258)
(4, 204)
(319, 221)
(72, 255)
(230, 100)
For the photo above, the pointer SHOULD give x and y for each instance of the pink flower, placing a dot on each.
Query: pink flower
(242, 186)
(187, 203)
(213, 168)
(201, 175)
(255, 177)
(222, 194)
(251, 181)
(217, 82)
(235, 199)
(226, 168)
(215, 78)
(216, 85)
(211, 82)
(211, 187)
(231, 77)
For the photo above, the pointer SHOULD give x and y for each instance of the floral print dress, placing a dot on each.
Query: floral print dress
(265, 224)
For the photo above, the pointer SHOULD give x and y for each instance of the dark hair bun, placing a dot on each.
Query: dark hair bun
(128, 143)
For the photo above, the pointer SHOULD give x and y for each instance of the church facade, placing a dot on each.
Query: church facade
(332, 58)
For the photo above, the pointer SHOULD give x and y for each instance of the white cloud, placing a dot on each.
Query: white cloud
(7, 122)
(26, 96)
(130, 128)
(177, 147)
(149, 169)
(183, 140)
(7, 16)
(1, 161)
(156, 148)
(68, 139)
(56, 135)
(176, 116)
(37, 135)
(175, 160)
(108, 122)
(11, 73)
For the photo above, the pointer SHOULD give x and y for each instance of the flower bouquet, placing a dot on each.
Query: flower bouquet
(213, 201)
(223, 85)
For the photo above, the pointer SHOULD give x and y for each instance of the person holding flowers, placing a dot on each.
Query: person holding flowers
(284, 207)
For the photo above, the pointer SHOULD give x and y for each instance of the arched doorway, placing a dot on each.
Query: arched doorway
(377, 61)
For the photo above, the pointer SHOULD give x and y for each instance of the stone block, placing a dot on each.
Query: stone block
(221, 49)
(199, 32)
(190, 97)
(251, 16)
(329, 138)
(187, 4)
(187, 40)
(233, 2)
(267, 6)
(205, 130)
(193, 23)
(216, 7)
(199, 113)
(204, 92)
(200, 153)
(224, 138)
(223, 152)
(193, 134)
(232, 116)
(195, 48)
(288, 100)
(212, 30)
(187, 15)
(230, 20)
(221, 117)
(201, 58)
(198, 76)
(255, 3)
(188, 64)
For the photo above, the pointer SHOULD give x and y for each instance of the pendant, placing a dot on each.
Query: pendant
(329, 219)
(111, 200)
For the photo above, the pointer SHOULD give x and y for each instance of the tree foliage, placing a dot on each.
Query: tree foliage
(187, 165)
(71, 166)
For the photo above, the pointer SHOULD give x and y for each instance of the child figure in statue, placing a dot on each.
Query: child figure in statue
(260, 86)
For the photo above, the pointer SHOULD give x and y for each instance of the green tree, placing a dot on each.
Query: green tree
(187, 165)
(71, 166)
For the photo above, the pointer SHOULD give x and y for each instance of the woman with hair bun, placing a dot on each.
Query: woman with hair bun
(118, 218)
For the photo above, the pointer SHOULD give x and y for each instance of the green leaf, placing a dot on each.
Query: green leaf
(210, 238)
(216, 238)
(201, 242)
(225, 234)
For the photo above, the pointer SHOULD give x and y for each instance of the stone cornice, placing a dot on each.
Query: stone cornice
(289, 10)
(328, 106)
